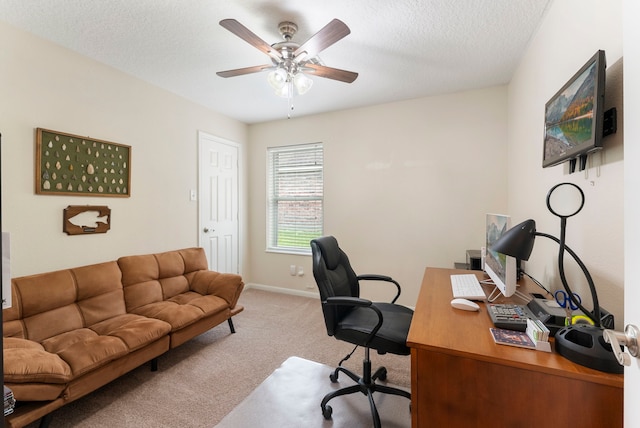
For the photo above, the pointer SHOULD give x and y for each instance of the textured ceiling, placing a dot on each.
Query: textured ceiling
(401, 49)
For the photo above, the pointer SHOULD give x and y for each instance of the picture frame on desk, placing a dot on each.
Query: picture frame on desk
(519, 339)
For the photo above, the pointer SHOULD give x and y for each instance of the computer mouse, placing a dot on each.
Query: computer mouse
(465, 305)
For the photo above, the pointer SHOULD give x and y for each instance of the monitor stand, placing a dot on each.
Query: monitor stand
(496, 293)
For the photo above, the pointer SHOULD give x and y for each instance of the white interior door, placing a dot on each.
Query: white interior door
(218, 202)
(632, 204)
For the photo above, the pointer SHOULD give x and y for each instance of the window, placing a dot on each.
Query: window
(294, 197)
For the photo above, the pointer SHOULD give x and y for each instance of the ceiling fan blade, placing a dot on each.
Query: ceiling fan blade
(246, 70)
(248, 36)
(330, 73)
(328, 35)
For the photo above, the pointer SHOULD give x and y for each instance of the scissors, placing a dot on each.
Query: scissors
(565, 301)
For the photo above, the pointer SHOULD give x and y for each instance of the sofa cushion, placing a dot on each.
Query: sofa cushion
(134, 330)
(53, 322)
(136, 269)
(209, 305)
(84, 350)
(58, 302)
(140, 281)
(177, 315)
(173, 285)
(44, 292)
(26, 361)
(46, 304)
(195, 259)
(100, 293)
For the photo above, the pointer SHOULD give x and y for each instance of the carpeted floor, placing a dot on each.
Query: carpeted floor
(201, 381)
(290, 398)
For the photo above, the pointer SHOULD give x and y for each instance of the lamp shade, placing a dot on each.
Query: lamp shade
(302, 83)
(518, 241)
(285, 91)
(277, 79)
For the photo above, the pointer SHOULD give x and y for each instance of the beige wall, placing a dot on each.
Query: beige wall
(407, 184)
(43, 85)
(572, 31)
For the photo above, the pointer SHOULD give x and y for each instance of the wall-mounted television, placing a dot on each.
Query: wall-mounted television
(574, 116)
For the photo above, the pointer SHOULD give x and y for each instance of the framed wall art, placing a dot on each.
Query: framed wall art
(68, 164)
(79, 220)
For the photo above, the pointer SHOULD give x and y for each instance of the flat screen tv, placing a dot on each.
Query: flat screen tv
(574, 116)
(502, 269)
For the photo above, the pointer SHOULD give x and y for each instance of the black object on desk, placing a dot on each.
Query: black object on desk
(474, 259)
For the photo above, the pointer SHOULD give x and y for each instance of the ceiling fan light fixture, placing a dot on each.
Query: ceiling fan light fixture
(286, 91)
(277, 79)
(289, 59)
(302, 83)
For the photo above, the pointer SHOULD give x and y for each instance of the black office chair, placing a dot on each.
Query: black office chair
(380, 326)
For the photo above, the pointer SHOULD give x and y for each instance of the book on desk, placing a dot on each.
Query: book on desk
(535, 337)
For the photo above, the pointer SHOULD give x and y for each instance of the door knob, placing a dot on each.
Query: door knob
(207, 230)
(628, 338)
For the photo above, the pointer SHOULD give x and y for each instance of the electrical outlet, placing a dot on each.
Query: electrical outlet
(292, 270)
(300, 271)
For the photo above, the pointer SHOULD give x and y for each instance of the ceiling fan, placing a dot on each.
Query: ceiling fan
(289, 60)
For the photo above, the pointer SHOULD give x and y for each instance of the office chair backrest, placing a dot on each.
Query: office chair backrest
(334, 277)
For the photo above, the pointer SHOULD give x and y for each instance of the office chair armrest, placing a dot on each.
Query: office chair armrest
(373, 277)
(349, 301)
(357, 301)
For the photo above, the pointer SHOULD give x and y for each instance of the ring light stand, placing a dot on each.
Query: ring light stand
(581, 343)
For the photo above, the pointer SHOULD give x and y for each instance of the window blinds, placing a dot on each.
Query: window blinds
(294, 197)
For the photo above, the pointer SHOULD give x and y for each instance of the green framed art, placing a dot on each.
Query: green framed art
(68, 164)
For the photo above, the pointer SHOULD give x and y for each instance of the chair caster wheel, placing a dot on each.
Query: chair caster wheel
(326, 412)
(383, 375)
(333, 377)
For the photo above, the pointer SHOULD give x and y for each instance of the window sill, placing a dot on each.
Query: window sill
(288, 251)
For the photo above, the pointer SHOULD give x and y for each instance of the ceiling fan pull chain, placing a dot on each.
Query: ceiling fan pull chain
(290, 98)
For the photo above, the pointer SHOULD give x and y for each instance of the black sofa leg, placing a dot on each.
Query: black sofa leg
(45, 421)
(154, 365)
(233, 330)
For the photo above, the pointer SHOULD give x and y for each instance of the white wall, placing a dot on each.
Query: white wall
(572, 31)
(407, 184)
(43, 85)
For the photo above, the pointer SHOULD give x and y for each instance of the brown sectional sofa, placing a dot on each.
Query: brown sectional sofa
(72, 331)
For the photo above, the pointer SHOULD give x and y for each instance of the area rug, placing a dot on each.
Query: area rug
(291, 396)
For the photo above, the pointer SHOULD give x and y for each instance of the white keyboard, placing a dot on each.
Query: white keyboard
(466, 286)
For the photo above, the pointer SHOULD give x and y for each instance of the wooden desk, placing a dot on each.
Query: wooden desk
(461, 378)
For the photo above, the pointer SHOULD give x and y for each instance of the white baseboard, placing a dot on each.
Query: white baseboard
(273, 289)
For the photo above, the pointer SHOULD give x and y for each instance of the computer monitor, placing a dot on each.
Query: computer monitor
(502, 269)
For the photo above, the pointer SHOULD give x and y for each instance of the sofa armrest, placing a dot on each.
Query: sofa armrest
(227, 286)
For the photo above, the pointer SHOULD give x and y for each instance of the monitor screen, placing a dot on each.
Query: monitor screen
(502, 269)
(573, 118)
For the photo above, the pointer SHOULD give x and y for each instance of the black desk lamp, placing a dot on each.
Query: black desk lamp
(581, 343)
